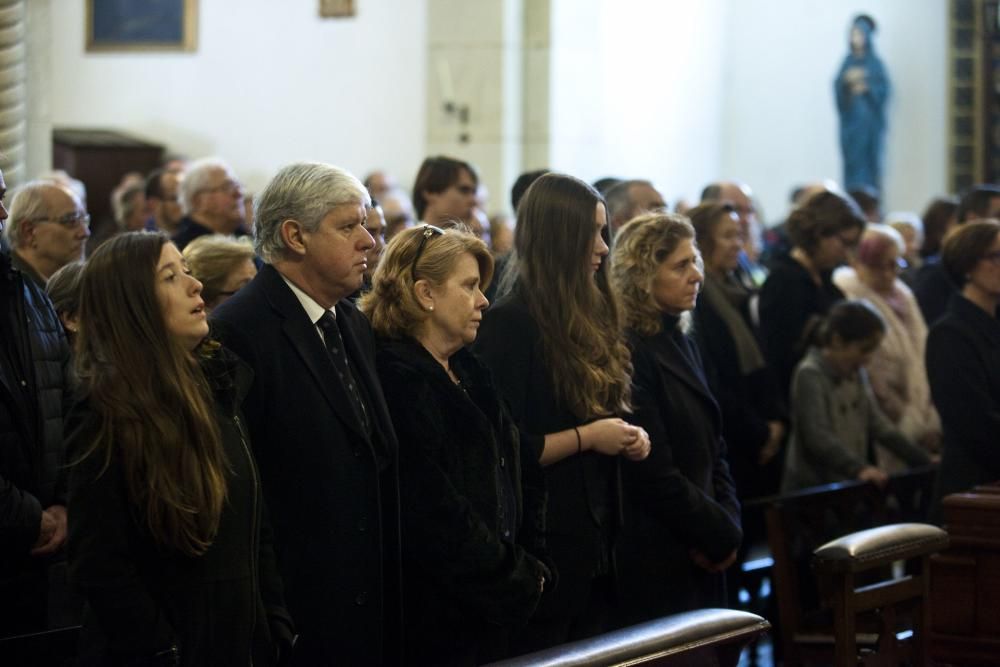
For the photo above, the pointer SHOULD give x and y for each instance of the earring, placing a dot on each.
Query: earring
(431, 307)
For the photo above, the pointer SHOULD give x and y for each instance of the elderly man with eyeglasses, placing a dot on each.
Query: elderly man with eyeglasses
(47, 229)
(212, 200)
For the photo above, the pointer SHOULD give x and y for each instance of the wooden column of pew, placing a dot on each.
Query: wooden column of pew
(965, 581)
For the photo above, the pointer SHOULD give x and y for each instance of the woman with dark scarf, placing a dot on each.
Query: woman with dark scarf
(681, 526)
(861, 89)
(753, 416)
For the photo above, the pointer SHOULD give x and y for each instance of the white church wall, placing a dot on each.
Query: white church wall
(270, 83)
(780, 122)
(686, 93)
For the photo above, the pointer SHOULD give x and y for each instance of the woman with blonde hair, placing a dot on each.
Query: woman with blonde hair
(165, 511)
(223, 265)
(471, 491)
(555, 346)
(682, 518)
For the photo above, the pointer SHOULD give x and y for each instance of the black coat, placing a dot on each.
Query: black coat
(330, 486)
(216, 609)
(31, 421)
(34, 360)
(963, 368)
(790, 307)
(583, 507)
(681, 497)
(473, 504)
(748, 403)
(188, 230)
(933, 289)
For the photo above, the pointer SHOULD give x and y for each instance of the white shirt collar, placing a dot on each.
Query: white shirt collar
(313, 309)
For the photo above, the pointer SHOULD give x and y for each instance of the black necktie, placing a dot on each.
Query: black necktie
(335, 346)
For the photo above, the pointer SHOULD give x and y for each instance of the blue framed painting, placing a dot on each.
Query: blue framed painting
(142, 25)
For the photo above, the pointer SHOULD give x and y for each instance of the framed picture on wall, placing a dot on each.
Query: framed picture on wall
(336, 8)
(149, 25)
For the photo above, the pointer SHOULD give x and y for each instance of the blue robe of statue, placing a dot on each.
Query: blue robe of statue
(862, 116)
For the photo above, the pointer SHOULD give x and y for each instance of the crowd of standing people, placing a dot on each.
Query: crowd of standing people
(345, 429)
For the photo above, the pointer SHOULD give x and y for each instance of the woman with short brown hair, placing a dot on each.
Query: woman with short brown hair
(471, 491)
(963, 365)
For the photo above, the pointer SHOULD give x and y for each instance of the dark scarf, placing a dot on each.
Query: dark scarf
(727, 299)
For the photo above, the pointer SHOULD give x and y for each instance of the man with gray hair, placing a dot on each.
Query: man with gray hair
(212, 201)
(630, 198)
(317, 417)
(47, 229)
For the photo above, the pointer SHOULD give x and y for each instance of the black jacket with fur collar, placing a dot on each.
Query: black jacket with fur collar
(466, 583)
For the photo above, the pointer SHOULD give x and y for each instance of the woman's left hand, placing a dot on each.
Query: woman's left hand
(640, 447)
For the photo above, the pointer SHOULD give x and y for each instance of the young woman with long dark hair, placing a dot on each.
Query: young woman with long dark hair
(165, 507)
(555, 346)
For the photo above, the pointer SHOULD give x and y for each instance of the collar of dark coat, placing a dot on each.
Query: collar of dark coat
(976, 316)
(308, 345)
(476, 379)
(675, 353)
(301, 334)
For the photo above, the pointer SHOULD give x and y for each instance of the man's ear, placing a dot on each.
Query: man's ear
(293, 236)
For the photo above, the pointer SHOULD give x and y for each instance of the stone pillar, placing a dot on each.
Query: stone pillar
(13, 116)
(487, 102)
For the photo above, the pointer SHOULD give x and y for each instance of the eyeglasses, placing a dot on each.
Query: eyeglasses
(428, 231)
(226, 187)
(993, 258)
(69, 220)
(895, 266)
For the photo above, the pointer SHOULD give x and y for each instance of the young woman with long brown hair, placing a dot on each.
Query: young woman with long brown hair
(165, 508)
(554, 344)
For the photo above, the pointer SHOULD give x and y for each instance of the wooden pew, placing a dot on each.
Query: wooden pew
(800, 522)
(54, 648)
(965, 581)
(693, 639)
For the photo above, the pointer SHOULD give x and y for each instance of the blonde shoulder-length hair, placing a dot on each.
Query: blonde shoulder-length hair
(391, 304)
(640, 247)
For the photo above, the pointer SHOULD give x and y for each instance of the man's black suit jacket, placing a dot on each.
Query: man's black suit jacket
(331, 488)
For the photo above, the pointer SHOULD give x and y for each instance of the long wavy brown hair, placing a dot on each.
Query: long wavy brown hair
(576, 312)
(154, 403)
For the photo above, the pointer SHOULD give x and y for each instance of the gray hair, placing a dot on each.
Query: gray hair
(619, 199)
(306, 192)
(29, 203)
(124, 202)
(198, 178)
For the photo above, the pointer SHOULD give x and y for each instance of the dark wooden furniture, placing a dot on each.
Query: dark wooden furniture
(693, 639)
(965, 581)
(55, 648)
(800, 522)
(841, 563)
(100, 158)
